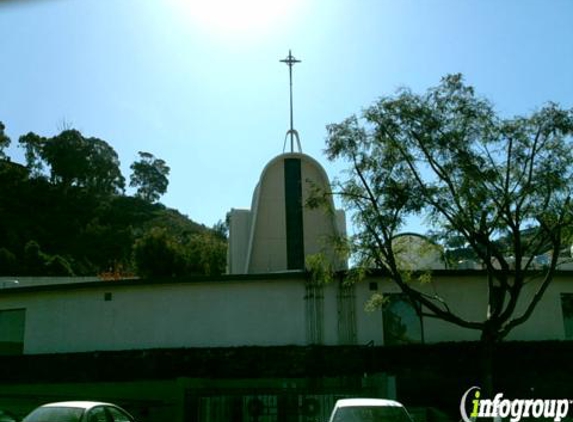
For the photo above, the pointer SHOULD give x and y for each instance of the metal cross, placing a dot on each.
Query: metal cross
(291, 61)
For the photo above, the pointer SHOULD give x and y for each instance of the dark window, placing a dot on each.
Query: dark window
(118, 416)
(567, 309)
(401, 323)
(97, 414)
(12, 323)
(60, 414)
(294, 217)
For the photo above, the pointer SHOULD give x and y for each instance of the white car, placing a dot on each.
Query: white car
(369, 410)
(79, 411)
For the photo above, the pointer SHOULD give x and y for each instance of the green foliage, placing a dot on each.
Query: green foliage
(74, 160)
(68, 200)
(34, 259)
(375, 302)
(495, 189)
(221, 229)
(58, 266)
(38, 263)
(163, 252)
(4, 141)
(158, 254)
(8, 262)
(320, 268)
(207, 254)
(149, 176)
(32, 145)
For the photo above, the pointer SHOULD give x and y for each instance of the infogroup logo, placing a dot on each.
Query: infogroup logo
(515, 409)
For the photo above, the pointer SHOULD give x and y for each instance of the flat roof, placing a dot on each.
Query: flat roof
(12, 285)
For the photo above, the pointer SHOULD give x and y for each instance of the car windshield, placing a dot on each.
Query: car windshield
(371, 414)
(55, 414)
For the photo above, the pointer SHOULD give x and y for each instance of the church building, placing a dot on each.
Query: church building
(262, 343)
(280, 231)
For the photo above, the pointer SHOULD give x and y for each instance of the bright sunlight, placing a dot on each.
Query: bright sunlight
(239, 17)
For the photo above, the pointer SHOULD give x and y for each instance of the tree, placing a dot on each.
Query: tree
(502, 186)
(149, 176)
(8, 262)
(32, 144)
(104, 175)
(207, 253)
(74, 160)
(158, 254)
(4, 141)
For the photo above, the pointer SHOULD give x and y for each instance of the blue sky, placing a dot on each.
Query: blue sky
(199, 83)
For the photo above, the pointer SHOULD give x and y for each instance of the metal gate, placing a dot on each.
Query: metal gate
(276, 407)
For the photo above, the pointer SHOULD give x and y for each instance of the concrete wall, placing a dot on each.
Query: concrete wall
(467, 296)
(247, 311)
(267, 243)
(162, 316)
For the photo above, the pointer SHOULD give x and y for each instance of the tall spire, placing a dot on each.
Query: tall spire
(291, 61)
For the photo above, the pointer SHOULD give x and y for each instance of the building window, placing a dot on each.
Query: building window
(12, 324)
(401, 323)
(567, 309)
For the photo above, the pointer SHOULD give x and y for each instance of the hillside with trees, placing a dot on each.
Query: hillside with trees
(65, 212)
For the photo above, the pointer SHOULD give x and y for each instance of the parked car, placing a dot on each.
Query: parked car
(369, 410)
(79, 411)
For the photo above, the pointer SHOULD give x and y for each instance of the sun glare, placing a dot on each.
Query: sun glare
(238, 17)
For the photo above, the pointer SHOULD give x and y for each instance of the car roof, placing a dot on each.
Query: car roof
(367, 402)
(78, 404)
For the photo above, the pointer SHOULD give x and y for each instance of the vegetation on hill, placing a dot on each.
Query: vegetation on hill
(66, 213)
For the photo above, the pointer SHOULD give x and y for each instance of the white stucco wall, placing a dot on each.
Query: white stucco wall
(267, 243)
(240, 312)
(466, 295)
(162, 316)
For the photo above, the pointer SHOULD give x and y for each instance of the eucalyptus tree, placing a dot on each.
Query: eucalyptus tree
(4, 141)
(150, 176)
(73, 160)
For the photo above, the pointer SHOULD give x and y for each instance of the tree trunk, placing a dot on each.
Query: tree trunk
(488, 346)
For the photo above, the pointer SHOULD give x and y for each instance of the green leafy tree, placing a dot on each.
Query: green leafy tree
(58, 266)
(74, 160)
(477, 177)
(35, 260)
(221, 229)
(4, 141)
(32, 144)
(207, 253)
(158, 254)
(104, 175)
(86, 225)
(149, 176)
(8, 262)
